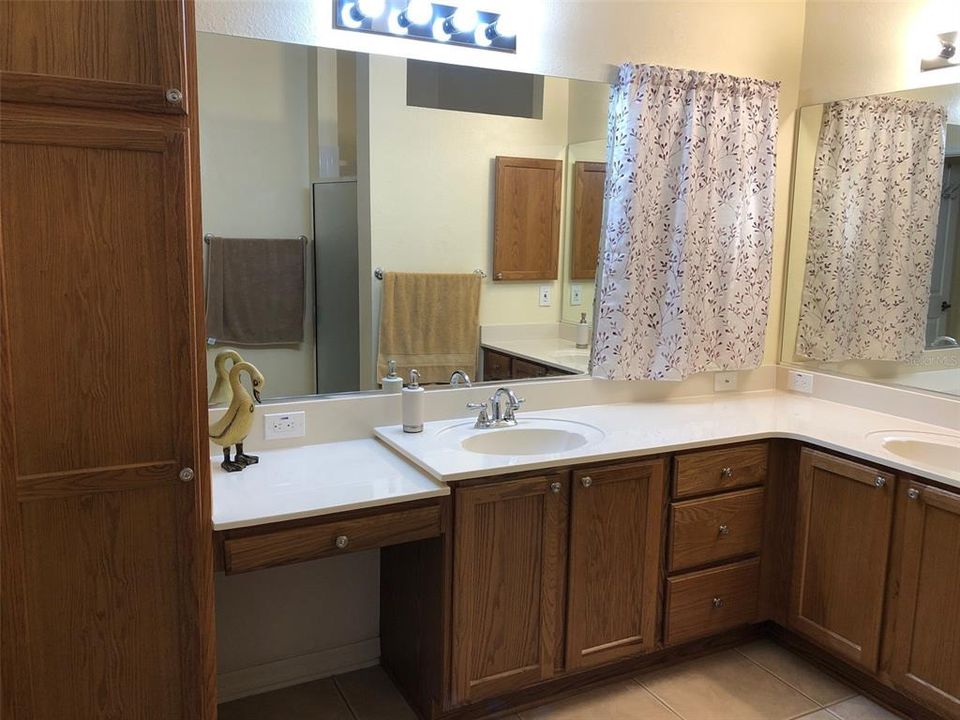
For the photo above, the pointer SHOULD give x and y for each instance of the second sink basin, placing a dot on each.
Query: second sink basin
(931, 449)
(530, 437)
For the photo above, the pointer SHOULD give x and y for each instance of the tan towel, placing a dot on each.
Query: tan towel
(255, 291)
(431, 322)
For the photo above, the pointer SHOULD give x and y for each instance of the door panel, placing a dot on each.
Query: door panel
(615, 540)
(840, 564)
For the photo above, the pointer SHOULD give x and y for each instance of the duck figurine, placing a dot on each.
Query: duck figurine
(221, 388)
(234, 426)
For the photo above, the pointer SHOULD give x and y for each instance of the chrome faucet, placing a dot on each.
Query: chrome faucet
(493, 413)
(459, 377)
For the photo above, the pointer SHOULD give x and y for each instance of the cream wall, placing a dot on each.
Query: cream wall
(255, 171)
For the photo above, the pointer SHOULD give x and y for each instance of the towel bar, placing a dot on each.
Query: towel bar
(378, 273)
(206, 238)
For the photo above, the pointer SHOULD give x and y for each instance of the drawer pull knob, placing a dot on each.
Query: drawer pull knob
(555, 487)
(879, 481)
(186, 474)
(726, 472)
(173, 96)
(718, 602)
(586, 481)
(724, 530)
(913, 493)
(342, 541)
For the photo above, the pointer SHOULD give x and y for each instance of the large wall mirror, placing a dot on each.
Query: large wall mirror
(362, 209)
(873, 284)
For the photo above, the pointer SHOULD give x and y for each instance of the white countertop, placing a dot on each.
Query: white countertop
(553, 351)
(312, 480)
(634, 429)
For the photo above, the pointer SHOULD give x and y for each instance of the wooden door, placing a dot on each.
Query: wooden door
(844, 514)
(925, 659)
(615, 547)
(106, 537)
(509, 558)
(588, 182)
(526, 240)
(95, 53)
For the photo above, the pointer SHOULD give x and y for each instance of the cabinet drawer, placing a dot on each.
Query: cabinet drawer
(715, 470)
(715, 528)
(309, 542)
(706, 602)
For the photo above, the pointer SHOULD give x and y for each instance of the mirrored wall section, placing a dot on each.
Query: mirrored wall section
(873, 285)
(363, 212)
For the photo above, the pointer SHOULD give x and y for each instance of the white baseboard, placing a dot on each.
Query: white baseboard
(293, 671)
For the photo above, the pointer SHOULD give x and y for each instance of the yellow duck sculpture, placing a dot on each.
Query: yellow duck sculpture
(234, 426)
(221, 388)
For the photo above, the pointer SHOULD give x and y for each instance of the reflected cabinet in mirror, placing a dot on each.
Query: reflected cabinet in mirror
(364, 214)
(873, 285)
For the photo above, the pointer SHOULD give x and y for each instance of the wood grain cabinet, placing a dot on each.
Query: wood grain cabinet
(588, 182)
(842, 542)
(615, 541)
(509, 560)
(925, 657)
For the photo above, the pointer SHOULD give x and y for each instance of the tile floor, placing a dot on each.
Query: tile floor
(758, 681)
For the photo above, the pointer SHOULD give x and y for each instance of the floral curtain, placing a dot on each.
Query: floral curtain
(688, 224)
(873, 227)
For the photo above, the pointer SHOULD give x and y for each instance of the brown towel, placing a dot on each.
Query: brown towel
(431, 322)
(255, 291)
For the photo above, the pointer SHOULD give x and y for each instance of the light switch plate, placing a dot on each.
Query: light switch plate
(576, 294)
(545, 292)
(724, 381)
(284, 425)
(800, 382)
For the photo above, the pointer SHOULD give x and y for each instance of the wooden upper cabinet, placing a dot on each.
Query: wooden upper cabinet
(588, 182)
(925, 658)
(615, 534)
(117, 54)
(844, 514)
(526, 240)
(509, 559)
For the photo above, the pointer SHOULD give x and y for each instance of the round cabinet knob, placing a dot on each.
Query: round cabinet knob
(174, 96)
(718, 602)
(879, 481)
(555, 487)
(342, 541)
(913, 493)
(726, 472)
(186, 474)
(586, 481)
(499, 276)
(724, 530)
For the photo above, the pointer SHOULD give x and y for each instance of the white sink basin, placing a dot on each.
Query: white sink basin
(931, 449)
(531, 436)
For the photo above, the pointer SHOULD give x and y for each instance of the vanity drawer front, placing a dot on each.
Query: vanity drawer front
(334, 537)
(706, 602)
(717, 470)
(715, 528)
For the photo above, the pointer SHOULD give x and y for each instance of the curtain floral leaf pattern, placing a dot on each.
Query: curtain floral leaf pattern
(873, 228)
(684, 282)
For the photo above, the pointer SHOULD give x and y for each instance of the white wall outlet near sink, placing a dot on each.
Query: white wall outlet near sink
(724, 381)
(800, 382)
(545, 292)
(284, 425)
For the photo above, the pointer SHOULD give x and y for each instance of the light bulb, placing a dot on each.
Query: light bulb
(481, 36)
(419, 12)
(371, 8)
(395, 23)
(505, 26)
(440, 33)
(347, 16)
(465, 19)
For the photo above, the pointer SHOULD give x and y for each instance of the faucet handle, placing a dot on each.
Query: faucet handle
(477, 405)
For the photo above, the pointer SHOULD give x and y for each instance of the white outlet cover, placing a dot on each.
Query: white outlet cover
(545, 292)
(284, 425)
(576, 294)
(800, 382)
(724, 381)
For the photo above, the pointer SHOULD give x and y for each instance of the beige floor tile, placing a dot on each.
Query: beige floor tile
(819, 715)
(318, 700)
(726, 686)
(860, 708)
(797, 672)
(620, 701)
(372, 696)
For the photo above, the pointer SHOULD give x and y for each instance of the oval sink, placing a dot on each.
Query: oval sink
(529, 440)
(933, 449)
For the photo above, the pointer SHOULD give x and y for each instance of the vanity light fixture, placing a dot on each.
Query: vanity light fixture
(461, 24)
(943, 53)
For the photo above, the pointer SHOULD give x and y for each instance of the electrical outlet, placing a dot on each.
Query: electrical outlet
(724, 381)
(545, 292)
(576, 294)
(284, 425)
(800, 381)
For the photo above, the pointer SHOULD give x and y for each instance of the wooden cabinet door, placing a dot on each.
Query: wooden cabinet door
(925, 660)
(526, 240)
(106, 540)
(588, 182)
(509, 555)
(127, 54)
(844, 514)
(496, 366)
(615, 541)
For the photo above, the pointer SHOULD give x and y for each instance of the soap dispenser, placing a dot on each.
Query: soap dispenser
(583, 333)
(413, 405)
(391, 383)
